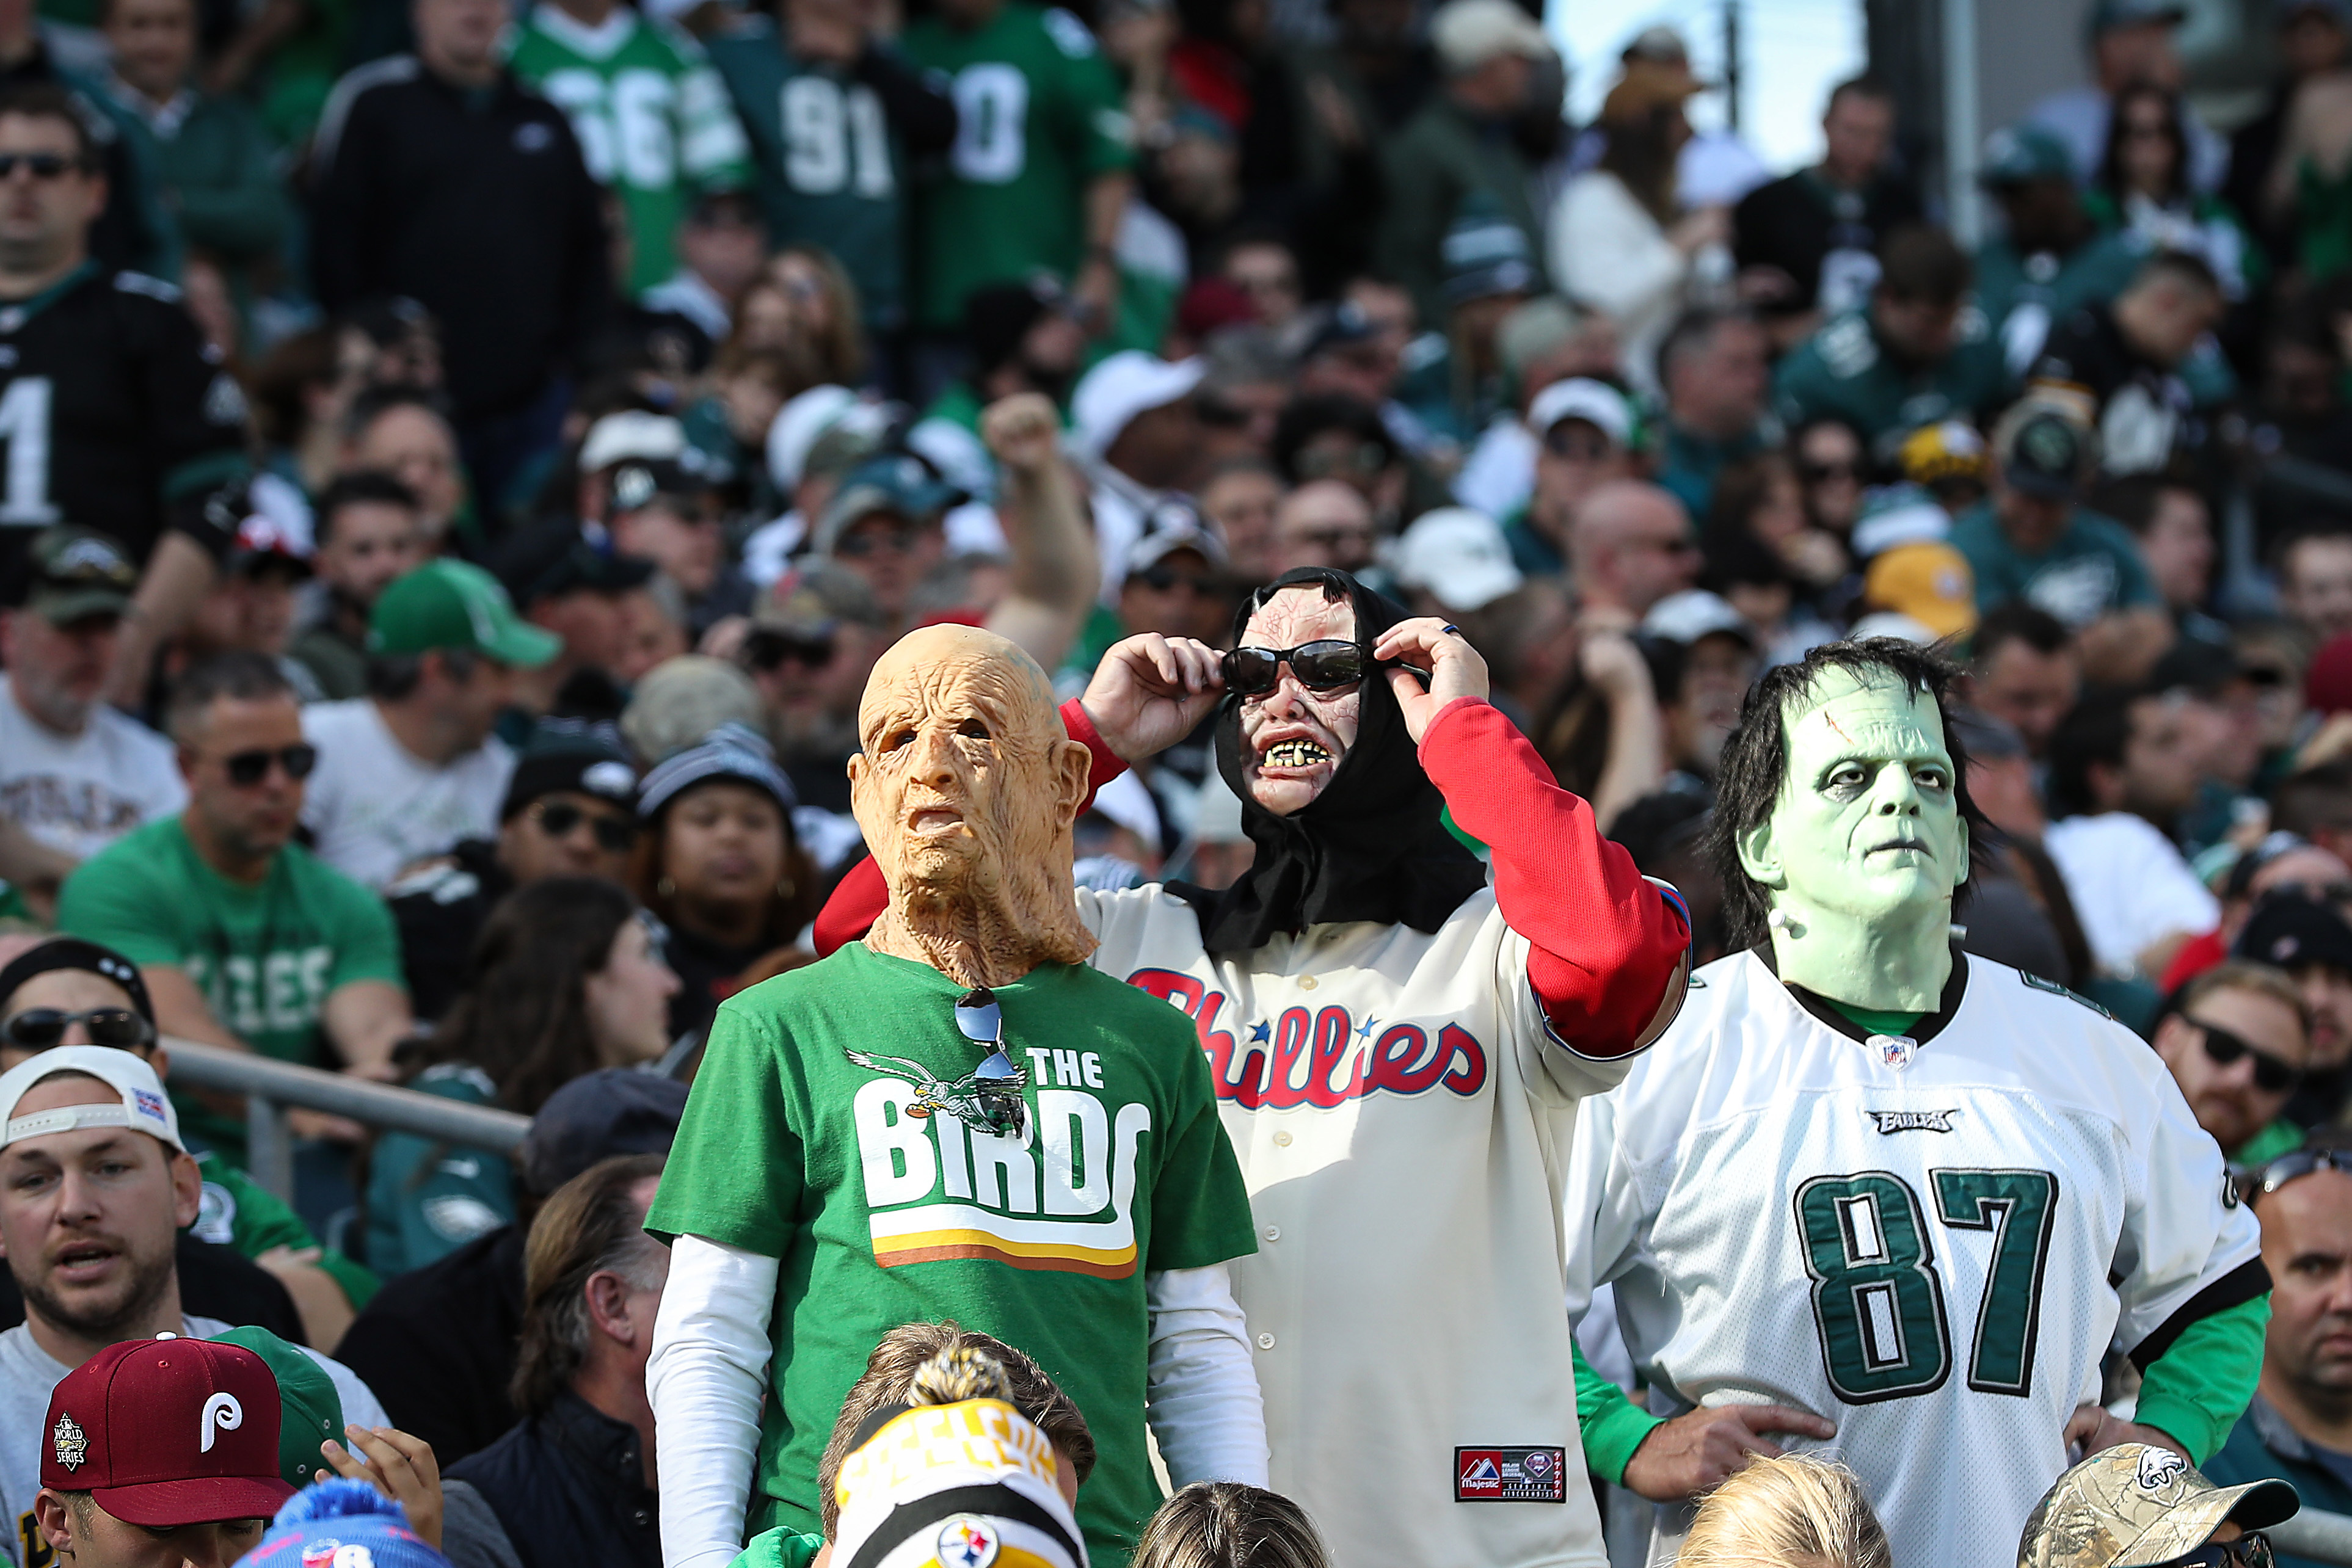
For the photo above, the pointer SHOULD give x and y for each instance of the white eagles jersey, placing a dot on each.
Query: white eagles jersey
(1933, 1256)
(1403, 1114)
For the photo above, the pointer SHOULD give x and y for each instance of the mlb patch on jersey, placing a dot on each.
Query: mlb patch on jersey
(1510, 1475)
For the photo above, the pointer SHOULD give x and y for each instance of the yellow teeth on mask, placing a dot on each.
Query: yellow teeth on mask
(1295, 754)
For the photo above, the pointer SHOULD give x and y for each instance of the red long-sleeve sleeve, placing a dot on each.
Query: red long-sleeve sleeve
(861, 896)
(1606, 943)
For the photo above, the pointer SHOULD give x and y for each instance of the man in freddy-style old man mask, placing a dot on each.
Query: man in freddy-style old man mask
(955, 1119)
(1878, 1186)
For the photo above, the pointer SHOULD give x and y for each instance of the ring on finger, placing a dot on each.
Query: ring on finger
(1451, 630)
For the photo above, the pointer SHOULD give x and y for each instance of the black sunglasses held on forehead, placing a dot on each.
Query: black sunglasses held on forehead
(39, 1029)
(1327, 665)
(246, 768)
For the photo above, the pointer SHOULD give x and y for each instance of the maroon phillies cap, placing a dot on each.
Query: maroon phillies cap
(168, 1431)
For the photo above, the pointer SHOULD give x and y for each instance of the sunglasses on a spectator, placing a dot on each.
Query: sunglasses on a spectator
(773, 649)
(2249, 1551)
(2275, 1173)
(1327, 665)
(246, 768)
(556, 819)
(1161, 579)
(2273, 1075)
(1817, 473)
(40, 165)
(1573, 445)
(38, 1028)
(996, 1083)
(859, 543)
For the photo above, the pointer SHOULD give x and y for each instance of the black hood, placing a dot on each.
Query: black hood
(1371, 847)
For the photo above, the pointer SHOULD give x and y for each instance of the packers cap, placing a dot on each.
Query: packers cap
(2137, 1505)
(140, 1102)
(1926, 580)
(449, 604)
(76, 573)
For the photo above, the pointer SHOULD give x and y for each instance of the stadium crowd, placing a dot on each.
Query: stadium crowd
(464, 466)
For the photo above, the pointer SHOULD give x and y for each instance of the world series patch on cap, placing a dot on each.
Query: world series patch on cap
(167, 1431)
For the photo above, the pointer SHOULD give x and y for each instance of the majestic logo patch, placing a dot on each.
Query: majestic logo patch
(2158, 1467)
(1510, 1475)
(71, 1443)
(1913, 1121)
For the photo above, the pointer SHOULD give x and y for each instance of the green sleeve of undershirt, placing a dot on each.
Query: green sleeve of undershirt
(1609, 1424)
(2196, 1391)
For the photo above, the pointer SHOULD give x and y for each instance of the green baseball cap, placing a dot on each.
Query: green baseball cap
(2134, 1505)
(312, 1411)
(449, 604)
(2019, 155)
(76, 573)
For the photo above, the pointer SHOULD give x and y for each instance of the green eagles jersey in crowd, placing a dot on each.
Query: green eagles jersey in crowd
(823, 1131)
(832, 172)
(1040, 116)
(265, 956)
(651, 116)
(2025, 296)
(1846, 370)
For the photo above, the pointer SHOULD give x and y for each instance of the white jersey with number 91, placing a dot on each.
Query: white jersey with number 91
(1930, 1240)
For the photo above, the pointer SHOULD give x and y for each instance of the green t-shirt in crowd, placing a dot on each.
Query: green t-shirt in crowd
(1846, 370)
(652, 118)
(1039, 117)
(265, 956)
(832, 172)
(802, 1143)
(2093, 569)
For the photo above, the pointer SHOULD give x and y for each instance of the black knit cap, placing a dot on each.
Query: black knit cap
(570, 754)
(73, 953)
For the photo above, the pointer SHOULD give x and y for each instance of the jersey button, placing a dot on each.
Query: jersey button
(1274, 1233)
(1265, 1341)
(1307, 983)
(1282, 1140)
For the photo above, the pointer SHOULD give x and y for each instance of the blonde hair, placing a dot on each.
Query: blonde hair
(1794, 1512)
(1225, 1524)
(929, 1363)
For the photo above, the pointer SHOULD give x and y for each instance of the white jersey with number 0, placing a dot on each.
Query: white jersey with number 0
(1934, 1256)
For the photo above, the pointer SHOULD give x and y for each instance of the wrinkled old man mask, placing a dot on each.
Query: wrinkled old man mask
(966, 787)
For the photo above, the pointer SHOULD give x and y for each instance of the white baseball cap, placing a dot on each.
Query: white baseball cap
(1890, 623)
(1693, 613)
(632, 433)
(1597, 403)
(1124, 385)
(807, 417)
(141, 1103)
(1459, 556)
(1466, 34)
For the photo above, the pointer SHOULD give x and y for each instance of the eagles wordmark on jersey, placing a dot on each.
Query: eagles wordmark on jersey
(1929, 1239)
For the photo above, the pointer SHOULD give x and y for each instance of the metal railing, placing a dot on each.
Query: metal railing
(271, 1088)
(2322, 1537)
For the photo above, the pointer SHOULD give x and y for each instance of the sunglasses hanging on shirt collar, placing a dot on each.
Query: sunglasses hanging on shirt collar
(996, 1083)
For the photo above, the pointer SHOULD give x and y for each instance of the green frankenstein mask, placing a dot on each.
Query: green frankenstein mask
(1865, 844)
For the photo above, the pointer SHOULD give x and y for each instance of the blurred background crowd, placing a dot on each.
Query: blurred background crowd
(462, 464)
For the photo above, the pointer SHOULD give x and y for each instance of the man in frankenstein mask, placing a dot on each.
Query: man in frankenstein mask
(1915, 1193)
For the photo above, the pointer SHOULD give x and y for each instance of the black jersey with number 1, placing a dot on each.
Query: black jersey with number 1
(114, 414)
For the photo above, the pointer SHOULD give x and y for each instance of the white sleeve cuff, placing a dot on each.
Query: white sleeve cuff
(1203, 1400)
(706, 1379)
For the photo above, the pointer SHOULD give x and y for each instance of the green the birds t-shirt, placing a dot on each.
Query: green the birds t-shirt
(1039, 116)
(810, 1138)
(267, 956)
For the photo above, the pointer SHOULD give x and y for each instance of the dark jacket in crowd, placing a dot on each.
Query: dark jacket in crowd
(439, 911)
(569, 1488)
(476, 205)
(438, 1346)
(2264, 1446)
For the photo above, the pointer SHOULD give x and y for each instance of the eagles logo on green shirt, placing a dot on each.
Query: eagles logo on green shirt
(823, 1131)
(1039, 116)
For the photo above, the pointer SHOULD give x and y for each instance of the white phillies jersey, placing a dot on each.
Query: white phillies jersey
(1402, 1116)
(1934, 1256)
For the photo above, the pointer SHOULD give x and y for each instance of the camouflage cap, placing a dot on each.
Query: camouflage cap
(78, 573)
(2136, 1505)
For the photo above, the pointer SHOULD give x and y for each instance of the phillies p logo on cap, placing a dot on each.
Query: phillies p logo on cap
(168, 1431)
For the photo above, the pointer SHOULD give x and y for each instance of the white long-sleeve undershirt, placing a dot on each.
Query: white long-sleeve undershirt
(708, 1373)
